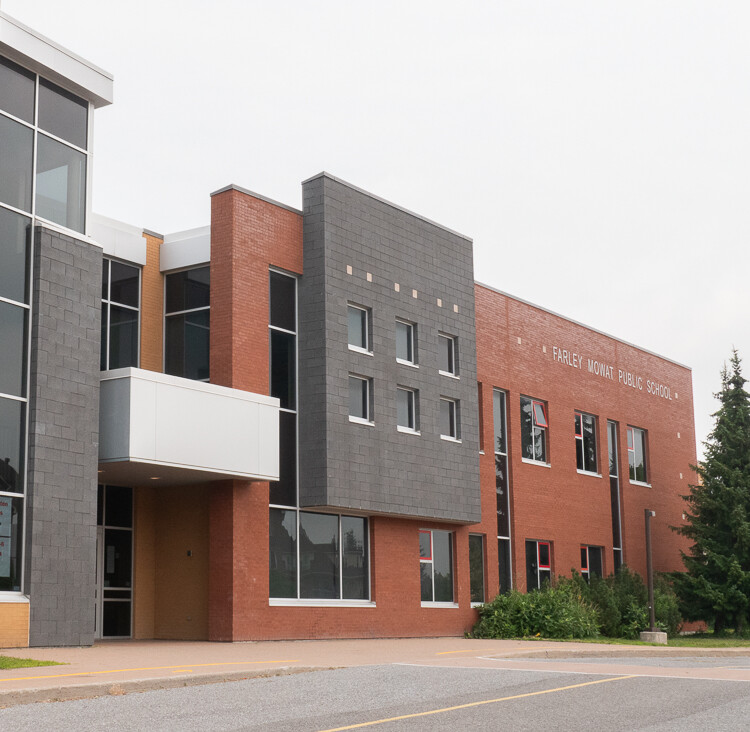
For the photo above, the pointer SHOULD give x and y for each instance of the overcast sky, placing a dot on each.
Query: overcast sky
(597, 152)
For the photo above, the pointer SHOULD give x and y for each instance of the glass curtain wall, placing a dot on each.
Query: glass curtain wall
(312, 556)
(43, 163)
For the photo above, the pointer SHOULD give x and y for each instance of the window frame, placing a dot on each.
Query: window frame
(454, 417)
(452, 354)
(431, 561)
(536, 428)
(367, 401)
(412, 343)
(367, 350)
(501, 441)
(581, 442)
(586, 554)
(632, 467)
(108, 302)
(540, 568)
(412, 404)
(483, 556)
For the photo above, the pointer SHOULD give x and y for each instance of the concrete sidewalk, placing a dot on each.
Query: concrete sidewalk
(119, 667)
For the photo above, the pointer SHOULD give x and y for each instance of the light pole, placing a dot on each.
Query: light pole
(650, 572)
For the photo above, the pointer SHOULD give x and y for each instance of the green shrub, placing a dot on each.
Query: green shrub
(554, 612)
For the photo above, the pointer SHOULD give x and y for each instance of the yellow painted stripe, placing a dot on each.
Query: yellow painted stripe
(476, 704)
(147, 668)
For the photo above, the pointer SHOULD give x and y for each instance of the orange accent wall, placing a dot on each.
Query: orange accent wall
(14, 625)
(152, 308)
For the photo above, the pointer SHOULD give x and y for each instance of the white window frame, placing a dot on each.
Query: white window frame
(453, 352)
(368, 346)
(456, 436)
(579, 415)
(412, 402)
(367, 401)
(412, 335)
(631, 435)
(431, 562)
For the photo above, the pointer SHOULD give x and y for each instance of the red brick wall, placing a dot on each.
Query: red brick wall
(557, 503)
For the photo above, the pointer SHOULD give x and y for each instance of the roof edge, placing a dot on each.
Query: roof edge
(247, 192)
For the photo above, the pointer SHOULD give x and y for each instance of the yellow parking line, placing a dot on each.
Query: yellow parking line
(476, 704)
(146, 668)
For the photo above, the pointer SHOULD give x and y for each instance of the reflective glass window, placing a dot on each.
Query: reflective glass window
(119, 506)
(442, 546)
(586, 450)
(319, 555)
(283, 301)
(17, 90)
(405, 342)
(447, 354)
(188, 290)
(283, 371)
(11, 533)
(123, 337)
(187, 345)
(533, 430)
(359, 398)
(15, 235)
(118, 557)
(282, 556)
(125, 284)
(405, 409)
(354, 559)
(16, 154)
(449, 418)
(476, 567)
(284, 491)
(60, 183)
(12, 349)
(358, 327)
(63, 114)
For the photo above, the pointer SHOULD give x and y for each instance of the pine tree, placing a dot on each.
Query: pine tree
(716, 585)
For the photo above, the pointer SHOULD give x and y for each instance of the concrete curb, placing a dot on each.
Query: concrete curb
(17, 697)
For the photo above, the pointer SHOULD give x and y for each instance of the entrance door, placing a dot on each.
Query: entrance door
(114, 592)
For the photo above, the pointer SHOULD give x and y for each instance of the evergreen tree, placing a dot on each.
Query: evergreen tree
(716, 586)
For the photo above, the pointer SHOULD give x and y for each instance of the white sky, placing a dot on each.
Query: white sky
(597, 152)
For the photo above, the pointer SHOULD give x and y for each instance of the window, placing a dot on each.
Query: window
(449, 419)
(538, 564)
(359, 328)
(614, 492)
(121, 295)
(187, 324)
(591, 562)
(282, 344)
(359, 399)
(406, 409)
(406, 342)
(533, 429)
(447, 355)
(436, 565)
(637, 454)
(502, 488)
(329, 561)
(585, 442)
(476, 567)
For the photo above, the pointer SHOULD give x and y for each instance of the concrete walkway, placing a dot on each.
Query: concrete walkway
(119, 667)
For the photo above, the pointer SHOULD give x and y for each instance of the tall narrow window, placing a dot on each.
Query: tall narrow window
(502, 488)
(187, 324)
(449, 419)
(538, 564)
(534, 429)
(406, 351)
(614, 493)
(406, 409)
(359, 399)
(447, 355)
(476, 567)
(282, 337)
(358, 320)
(436, 565)
(591, 562)
(585, 426)
(637, 455)
(121, 296)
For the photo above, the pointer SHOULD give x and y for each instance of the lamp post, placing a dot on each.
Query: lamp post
(650, 572)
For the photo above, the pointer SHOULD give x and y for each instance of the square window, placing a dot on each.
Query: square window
(406, 342)
(358, 320)
(436, 565)
(585, 427)
(637, 455)
(449, 419)
(359, 399)
(406, 412)
(534, 429)
(447, 355)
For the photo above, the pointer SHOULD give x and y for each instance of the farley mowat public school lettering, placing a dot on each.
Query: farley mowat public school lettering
(293, 422)
(607, 371)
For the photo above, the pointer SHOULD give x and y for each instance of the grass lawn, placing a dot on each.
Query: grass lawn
(12, 662)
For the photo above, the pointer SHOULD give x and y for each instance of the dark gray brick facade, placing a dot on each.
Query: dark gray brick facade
(375, 468)
(63, 440)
